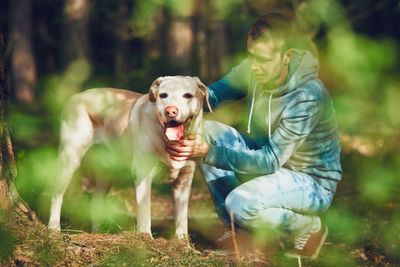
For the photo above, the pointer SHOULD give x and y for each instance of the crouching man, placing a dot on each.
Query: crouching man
(291, 151)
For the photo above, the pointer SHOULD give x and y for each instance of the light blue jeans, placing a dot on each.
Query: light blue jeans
(285, 200)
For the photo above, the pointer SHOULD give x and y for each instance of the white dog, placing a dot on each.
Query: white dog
(172, 109)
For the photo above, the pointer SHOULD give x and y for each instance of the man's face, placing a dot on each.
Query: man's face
(265, 59)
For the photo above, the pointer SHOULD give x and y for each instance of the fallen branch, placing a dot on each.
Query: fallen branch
(237, 252)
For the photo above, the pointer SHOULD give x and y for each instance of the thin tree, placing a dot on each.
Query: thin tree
(76, 32)
(180, 37)
(22, 59)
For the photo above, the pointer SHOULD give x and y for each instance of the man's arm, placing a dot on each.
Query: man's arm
(232, 87)
(289, 135)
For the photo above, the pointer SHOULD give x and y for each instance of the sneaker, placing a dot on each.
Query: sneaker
(309, 245)
(225, 241)
(246, 243)
(243, 241)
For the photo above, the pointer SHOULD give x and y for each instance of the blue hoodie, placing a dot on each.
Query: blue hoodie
(294, 121)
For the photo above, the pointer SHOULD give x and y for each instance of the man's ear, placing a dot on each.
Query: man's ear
(203, 91)
(287, 57)
(154, 89)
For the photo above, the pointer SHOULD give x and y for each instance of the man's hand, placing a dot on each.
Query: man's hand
(191, 147)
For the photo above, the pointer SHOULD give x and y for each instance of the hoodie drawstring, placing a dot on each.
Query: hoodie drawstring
(269, 115)
(251, 109)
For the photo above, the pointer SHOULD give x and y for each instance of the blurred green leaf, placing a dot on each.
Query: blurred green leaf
(378, 183)
(7, 244)
(344, 225)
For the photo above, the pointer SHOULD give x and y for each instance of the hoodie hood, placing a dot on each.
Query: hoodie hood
(303, 67)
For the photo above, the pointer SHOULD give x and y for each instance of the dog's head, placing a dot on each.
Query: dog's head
(177, 100)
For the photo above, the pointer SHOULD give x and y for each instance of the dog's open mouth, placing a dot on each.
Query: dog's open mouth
(175, 130)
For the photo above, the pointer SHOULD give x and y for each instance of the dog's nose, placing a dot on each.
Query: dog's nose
(171, 111)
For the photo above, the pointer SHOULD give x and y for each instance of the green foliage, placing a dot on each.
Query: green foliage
(344, 225)
(26, 128)
(46, 251)
(7, 244)
(365, 61)
(144, 15)
(335, 255)
(222, 9)
(57, 89)
(45, 255)
(360, 71)
(391, 236)
(180, 8)
(379, 184)
(390, 106)
(133, 256)
(37, 174)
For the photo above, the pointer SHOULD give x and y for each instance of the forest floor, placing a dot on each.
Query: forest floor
(361, 233)
(125, 248)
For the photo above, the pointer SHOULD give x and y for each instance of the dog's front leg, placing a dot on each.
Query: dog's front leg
(181, 192)
(143, 202)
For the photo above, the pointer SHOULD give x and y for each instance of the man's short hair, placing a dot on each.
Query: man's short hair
(283, 26)
(274, 23)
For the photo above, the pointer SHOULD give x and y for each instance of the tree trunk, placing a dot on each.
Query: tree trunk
(180, 37)
(212, 41)
(22, 60)
(217, 49)
(180, 44)
(12, 206)
(76, 36)
(123, 35)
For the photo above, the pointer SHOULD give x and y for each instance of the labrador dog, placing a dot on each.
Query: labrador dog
(172, 109)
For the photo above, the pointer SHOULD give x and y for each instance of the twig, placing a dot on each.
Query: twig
(80, 245)
(237, 252)
(299, 261)
(72, 231)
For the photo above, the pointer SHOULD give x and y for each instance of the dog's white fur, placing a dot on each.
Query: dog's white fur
(105, 113)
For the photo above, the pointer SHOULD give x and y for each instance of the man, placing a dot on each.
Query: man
(293, 152)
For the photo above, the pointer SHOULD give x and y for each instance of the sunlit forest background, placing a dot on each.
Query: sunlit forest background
(55, 48)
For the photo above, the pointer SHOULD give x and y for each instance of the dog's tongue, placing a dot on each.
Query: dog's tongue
(174, 133)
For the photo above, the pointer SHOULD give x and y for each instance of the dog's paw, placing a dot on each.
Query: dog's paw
(187, 244)
(184, 240)
(54, 227)
(145, 235)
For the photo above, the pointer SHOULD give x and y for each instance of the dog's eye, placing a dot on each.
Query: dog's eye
(163, 95)
(188, 95)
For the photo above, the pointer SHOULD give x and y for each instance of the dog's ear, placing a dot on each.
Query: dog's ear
(203, 91)
(154, 88)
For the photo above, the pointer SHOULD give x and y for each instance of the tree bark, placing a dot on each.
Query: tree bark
(22, 59)
(15, 209)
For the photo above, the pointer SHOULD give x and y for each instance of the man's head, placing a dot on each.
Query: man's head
(268, 44)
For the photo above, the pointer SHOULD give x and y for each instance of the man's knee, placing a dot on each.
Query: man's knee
(249, 212)
(242, 205)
